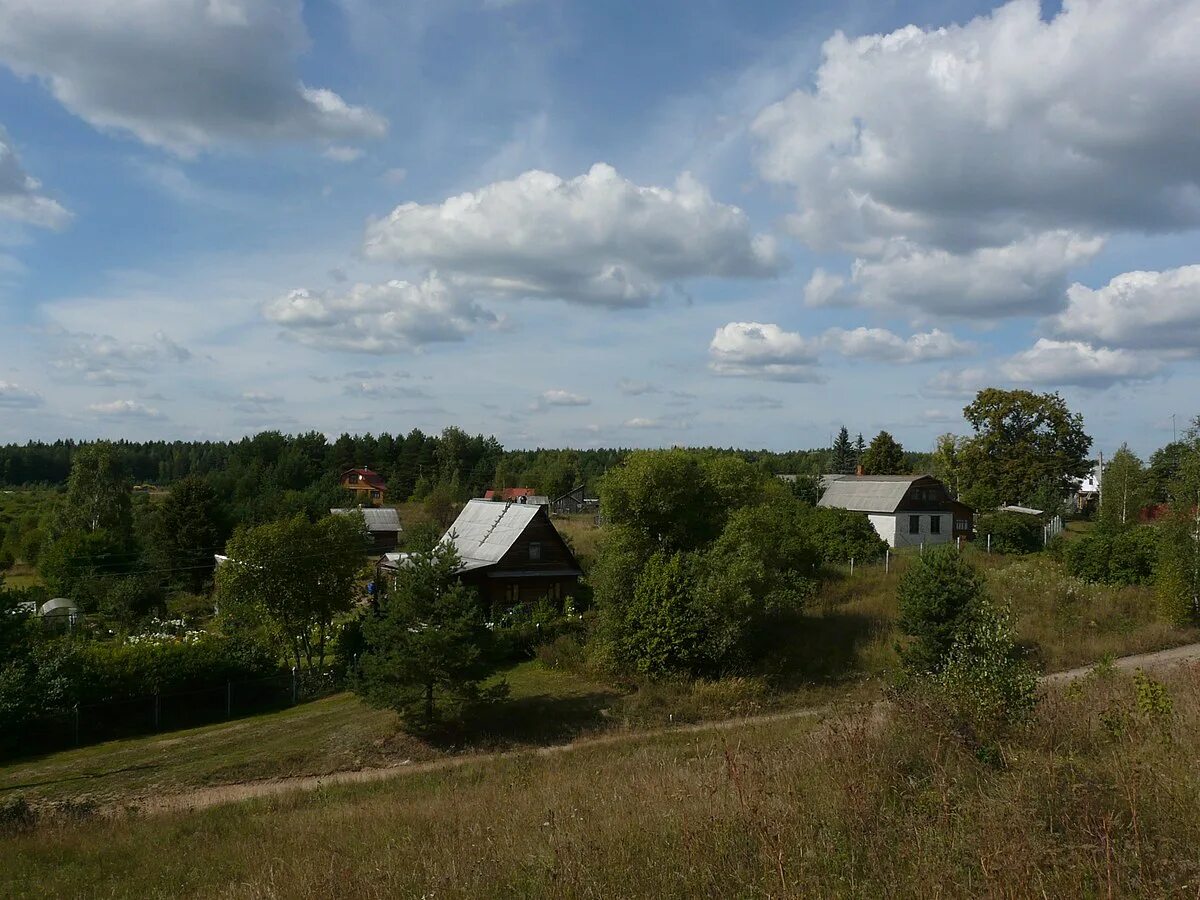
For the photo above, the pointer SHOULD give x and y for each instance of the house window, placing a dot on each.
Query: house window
(535, 551)
(962, 525)
(354, 479)
(374, 495)
(935, 524)
(914, 524)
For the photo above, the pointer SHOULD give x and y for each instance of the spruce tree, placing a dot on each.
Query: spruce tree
(884, 456)
(843, 453)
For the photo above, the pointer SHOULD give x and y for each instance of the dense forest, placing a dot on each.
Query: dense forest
(412, 464)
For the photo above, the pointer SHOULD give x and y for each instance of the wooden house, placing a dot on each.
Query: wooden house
(367, 487)
(383, 525)
(906, 510)
(574, 501)
(510, 552)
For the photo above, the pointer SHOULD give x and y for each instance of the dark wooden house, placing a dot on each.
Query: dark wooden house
(511, 552)
(382, 524)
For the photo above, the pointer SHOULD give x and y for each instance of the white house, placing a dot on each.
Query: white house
(906, 510)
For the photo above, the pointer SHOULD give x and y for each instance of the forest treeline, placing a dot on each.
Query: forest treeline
(412, 464)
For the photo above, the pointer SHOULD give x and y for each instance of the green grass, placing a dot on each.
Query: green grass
(1097, 797)
(334, 734)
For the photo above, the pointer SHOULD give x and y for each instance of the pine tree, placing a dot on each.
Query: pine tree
(843, 453)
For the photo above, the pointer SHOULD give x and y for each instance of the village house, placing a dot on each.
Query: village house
(367, 487)
(574, 501)
(906, 510)
(382, 524)
(510, 552)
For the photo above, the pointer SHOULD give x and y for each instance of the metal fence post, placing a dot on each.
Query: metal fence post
(989, 544)
(293, 685)
(852, 566)
(887, 560)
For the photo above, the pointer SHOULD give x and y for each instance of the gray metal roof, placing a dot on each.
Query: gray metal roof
(867, 493)
(485, 530)
(385, 519)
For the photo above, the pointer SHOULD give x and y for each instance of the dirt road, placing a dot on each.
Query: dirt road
(232, 793)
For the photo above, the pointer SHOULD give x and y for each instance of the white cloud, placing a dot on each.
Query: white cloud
(595, 239)
(21, 196)
(343, 154)
(631, 388)
(976, 135)
(884, 346)
(385, 318)
(395, 175)
(125, 409)
(955, 383)
(377, 390)
(13, 396)
(105, 360)
(558, 397)
(257, 402)
(1137, 310)
(180, 74)
(757, 350)
(1050, 362)
(1025, 277)
(825, 289)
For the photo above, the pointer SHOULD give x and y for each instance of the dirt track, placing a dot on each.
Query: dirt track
(232, 793)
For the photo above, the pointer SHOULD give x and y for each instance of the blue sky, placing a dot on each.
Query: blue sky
(589, 224)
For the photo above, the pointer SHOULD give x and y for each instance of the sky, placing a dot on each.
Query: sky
(584, 224)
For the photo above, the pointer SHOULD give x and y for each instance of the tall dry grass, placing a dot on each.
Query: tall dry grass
(1097, 797)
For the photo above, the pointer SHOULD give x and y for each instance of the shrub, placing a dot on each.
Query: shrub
(1113, 555)
(1012, 533)
(839, 535)
(937, 595)
(984, 685)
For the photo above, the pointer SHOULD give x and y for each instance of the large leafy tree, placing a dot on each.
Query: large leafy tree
(1027, 448)
(296, 576)
(426, 648)
(1177, 575)
(1124, 488)
(946, 462)
(884, 457)
(98, 492)
(186, 531)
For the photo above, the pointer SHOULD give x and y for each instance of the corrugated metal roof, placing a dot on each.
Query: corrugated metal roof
(867, 493)
(385, 519)
(485, 530)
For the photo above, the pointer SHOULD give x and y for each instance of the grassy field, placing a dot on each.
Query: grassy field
(1097, 797)
(334, 734)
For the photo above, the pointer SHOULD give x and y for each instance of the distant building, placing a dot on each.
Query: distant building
(511, 553)
(382, 524)
(574, 501)
(368, 487)
(906, 510)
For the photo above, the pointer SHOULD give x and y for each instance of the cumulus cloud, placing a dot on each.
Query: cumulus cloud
(595, 239)
(977, 134)
(758, 350)
(125, 409)
(1028, 276)
(969, 167)
(954, 383)
(21, 196)
(825, 289)
(1050, 362)
(384, 318)
(179, 74)
(343, 154)
(377, 390)
(1137, 310)
(558, 397)
(13, 396)
(105, 360)
(884, 346)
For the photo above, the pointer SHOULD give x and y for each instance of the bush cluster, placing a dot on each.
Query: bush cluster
(1012, 533)
(1114, 555)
